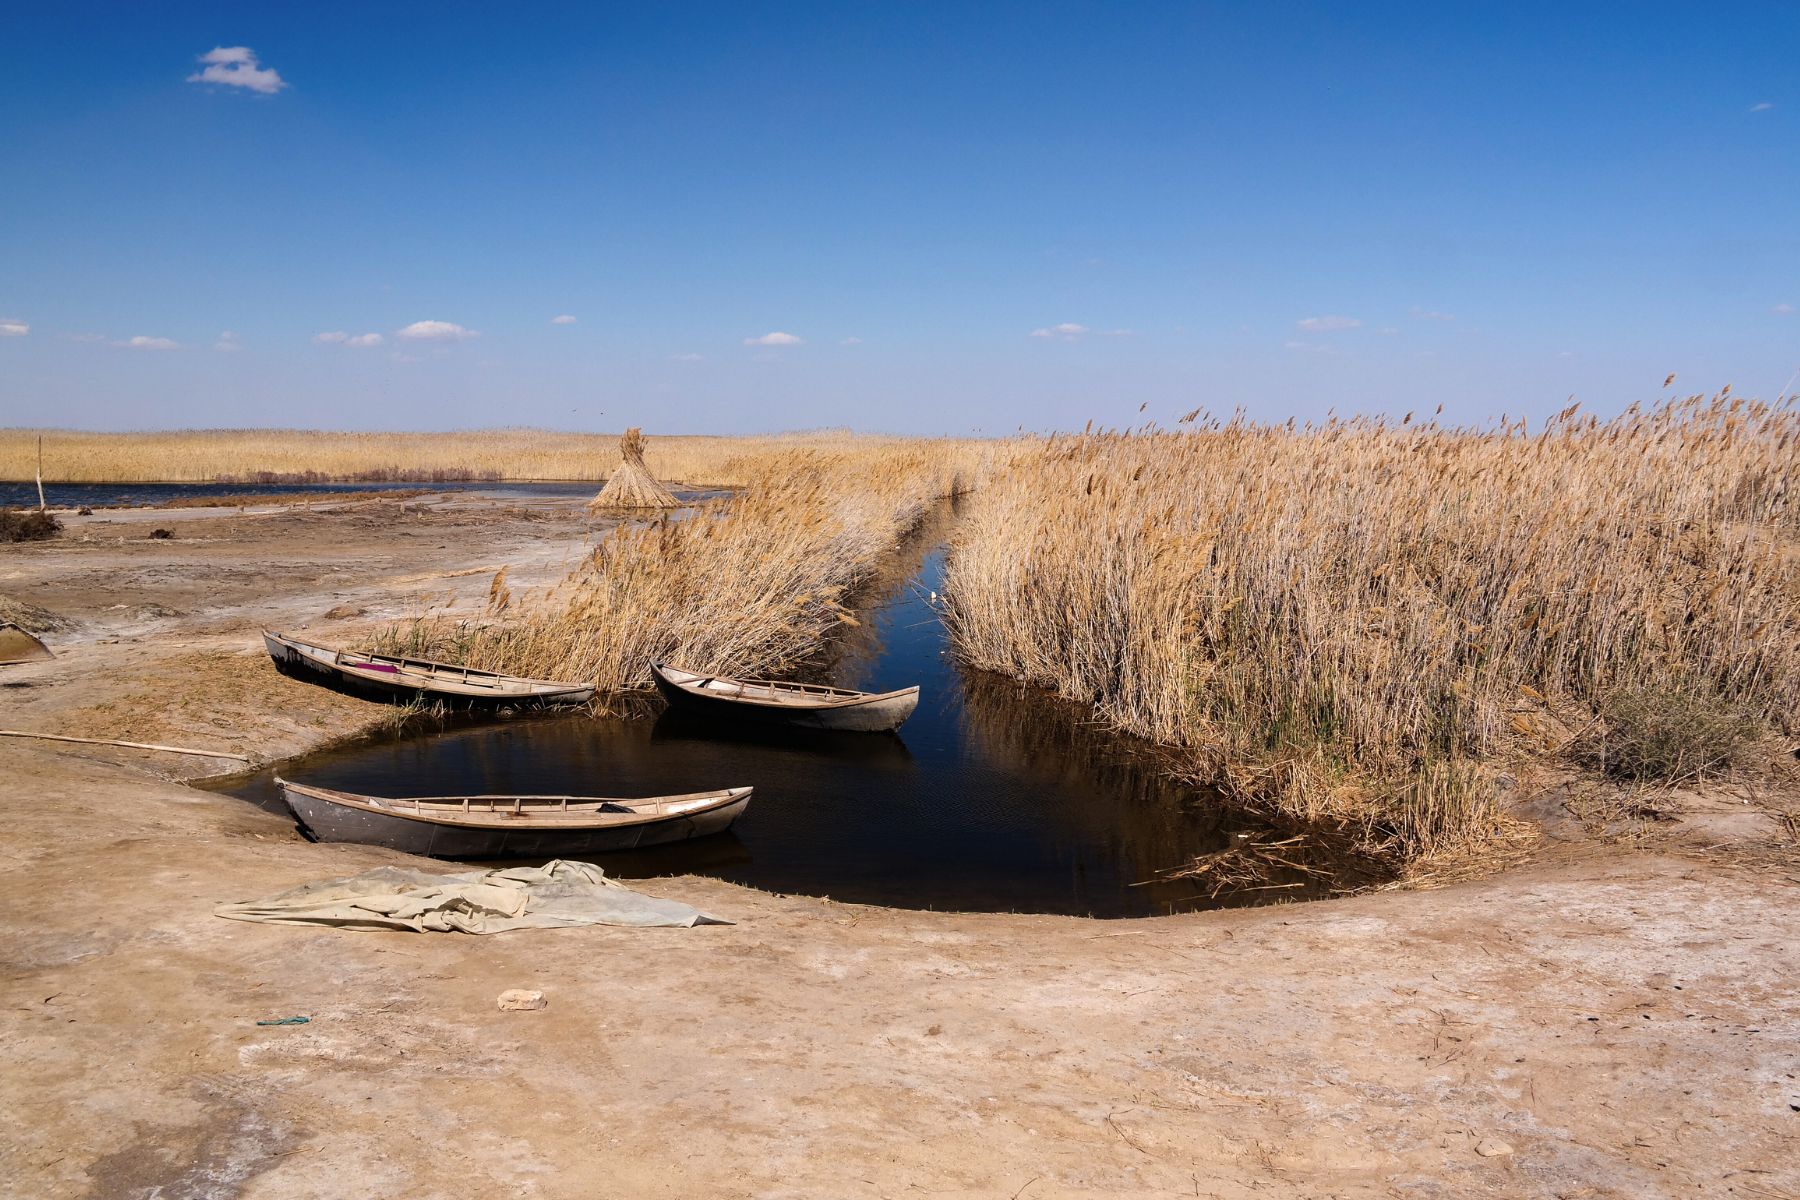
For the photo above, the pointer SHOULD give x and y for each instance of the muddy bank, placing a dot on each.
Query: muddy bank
(1617, 1023)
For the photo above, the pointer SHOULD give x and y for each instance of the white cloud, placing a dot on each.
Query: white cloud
(11, 328)
(228, 341)
(338, 337)
(365, 339)
(777, 338)
(687, 358)
(1765, 106)
(237, 66)
(1782, 310)
(565, 319)
(140, 342)
(1068, 331)
(332, 338)
(851, 341)
(1326, 324)
(436, 331)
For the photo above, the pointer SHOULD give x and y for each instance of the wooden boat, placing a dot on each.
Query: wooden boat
(804, 705)
(511, 826)
(388, 676)
(17, 646)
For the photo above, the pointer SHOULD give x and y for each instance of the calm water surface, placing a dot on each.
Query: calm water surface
(991, 798)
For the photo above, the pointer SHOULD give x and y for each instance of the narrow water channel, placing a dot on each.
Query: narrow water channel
(991, 798)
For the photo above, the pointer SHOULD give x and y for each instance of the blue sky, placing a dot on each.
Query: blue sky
(971, 217)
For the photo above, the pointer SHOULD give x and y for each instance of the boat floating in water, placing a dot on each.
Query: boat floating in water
(511, 826)
(804, 705)
(391, 676)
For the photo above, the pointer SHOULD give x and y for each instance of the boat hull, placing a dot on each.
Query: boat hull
(315, 662)
(330, 822)
(879, 715)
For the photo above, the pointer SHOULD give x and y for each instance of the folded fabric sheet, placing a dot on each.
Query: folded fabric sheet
(555, 895)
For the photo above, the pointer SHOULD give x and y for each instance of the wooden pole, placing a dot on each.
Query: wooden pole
(57, 737)
(41, 505)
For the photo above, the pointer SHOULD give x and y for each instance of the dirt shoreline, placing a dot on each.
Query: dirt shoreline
(1614, 1023)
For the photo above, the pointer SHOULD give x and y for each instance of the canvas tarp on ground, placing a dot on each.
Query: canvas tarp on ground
(555, 895)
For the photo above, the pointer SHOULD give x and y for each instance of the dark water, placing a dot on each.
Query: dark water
(990, 798)
(98, 495)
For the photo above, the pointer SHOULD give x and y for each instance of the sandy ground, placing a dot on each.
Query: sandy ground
(1610, 1020)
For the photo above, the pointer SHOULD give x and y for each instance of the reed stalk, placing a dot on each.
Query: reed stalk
(1360, 623)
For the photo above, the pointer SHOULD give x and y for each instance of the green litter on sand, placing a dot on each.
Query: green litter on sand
(286, 1021)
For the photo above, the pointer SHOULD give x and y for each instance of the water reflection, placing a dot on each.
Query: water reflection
(992, 797)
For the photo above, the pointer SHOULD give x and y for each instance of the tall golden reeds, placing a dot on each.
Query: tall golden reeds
(1355, 623)
(749, 584)
(320, 456)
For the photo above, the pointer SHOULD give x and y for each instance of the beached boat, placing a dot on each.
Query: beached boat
(511, 826)
(389, 676)
(805, 705)
(17, 646)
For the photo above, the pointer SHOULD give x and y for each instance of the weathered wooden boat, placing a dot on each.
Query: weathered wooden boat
(511, 826)
(389, 676)
(804, 705)
(17, 646)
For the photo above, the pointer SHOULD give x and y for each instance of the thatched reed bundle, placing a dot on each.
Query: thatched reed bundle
(632, 485)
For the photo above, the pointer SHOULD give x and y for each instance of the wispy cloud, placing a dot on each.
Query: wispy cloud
(238, 66)
(1326, 324)
(564, 319)
(12, 328)
(851, 341)
(140, 342)
(338, 337)
(1765, 106)
(776, 338)
(436, 331)
(1426, 314)
(1069, 331)
(228, 341)
(1782, 310)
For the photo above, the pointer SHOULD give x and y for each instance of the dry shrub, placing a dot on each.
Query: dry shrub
(1666, 733)
(1332, 621)
(751, 584)
(27, 525)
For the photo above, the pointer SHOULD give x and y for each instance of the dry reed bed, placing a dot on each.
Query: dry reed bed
(751, 584)
(1356, 625)
(309, 456)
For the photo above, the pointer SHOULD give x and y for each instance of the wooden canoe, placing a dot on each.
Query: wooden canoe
(803, 705)
(17, 646)
(511, 826)
(389, 676)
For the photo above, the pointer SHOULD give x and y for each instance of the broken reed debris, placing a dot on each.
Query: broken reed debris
(750, 584)
(1357, 624)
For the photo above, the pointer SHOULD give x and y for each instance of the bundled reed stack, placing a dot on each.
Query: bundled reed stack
(632, 485)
